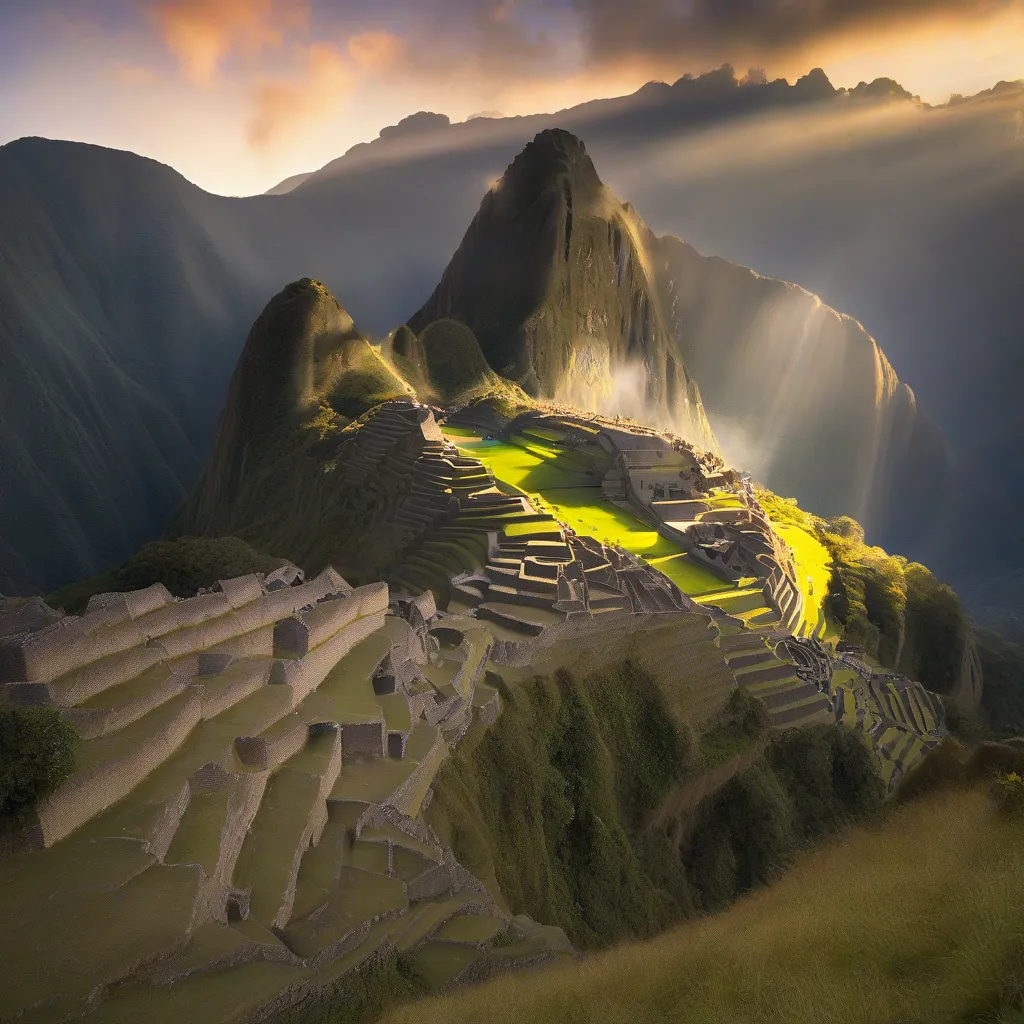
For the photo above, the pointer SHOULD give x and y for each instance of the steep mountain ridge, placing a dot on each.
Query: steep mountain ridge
(555, 279)
(574, 297)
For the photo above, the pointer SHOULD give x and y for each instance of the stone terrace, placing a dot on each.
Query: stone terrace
(244, 822)
(901, 718)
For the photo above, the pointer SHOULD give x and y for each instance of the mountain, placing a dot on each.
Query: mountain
(115, 306)
(572, 296)
(560, 284)
(127, 292)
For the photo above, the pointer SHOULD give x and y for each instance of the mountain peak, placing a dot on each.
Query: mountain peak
(288, 358)
(554, 159)
(558, 282)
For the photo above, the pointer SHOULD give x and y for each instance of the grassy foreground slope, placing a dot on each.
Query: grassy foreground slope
(879, 927)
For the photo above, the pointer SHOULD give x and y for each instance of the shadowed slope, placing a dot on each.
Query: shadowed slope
(113, 309)
(803, 396)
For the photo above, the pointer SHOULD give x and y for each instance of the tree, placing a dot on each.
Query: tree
(37, 753)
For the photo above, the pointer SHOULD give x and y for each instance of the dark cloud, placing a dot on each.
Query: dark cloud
(722, 28)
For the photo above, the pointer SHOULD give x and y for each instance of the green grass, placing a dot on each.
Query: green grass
(813, 562)
(817, 947)
(550, 476)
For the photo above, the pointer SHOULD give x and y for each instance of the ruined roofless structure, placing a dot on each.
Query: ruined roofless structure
(248, 790)
(667, 482)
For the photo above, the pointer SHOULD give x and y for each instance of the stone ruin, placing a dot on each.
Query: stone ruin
(901, 718)
(250, 786)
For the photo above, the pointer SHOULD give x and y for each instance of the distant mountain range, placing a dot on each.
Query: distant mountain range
(126, 294)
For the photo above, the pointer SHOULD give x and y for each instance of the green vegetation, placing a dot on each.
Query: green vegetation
(810, 783)
(1010, 787)
(37, 753)
(574, 804)
(813, 570)
(566, 484)
(914, 918)
(182, 565)
(446, 366)
(454, 361)
(549, 801)
(742, 722)
(897, 610)
(1002, 699)
(366, 381)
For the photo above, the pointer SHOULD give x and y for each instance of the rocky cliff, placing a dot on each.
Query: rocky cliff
(561, 286)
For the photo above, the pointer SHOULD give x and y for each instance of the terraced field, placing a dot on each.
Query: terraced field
(814, 569)
(900, 718)
(756, 668)
(566, 484)
(258, 826)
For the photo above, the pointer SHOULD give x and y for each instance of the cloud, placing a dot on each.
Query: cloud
(202, 33)
(723, 29)
(315, 93)
(375, 50)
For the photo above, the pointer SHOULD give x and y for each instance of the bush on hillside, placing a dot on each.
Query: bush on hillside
(1010, 792)
(37, 753)
(182, 565)
(742, 722)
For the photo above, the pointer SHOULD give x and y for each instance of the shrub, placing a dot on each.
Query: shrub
(182, 565)
(742, 722)
(1010, 791)
(37, 753)
(809, 783)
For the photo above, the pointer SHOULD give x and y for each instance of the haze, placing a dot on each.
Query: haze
(238, 94)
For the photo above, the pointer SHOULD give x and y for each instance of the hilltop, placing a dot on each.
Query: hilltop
(558, 281)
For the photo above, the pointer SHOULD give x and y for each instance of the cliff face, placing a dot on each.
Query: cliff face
(803, 397)
(560, 285)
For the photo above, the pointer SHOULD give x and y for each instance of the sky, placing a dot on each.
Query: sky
(239, 94)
